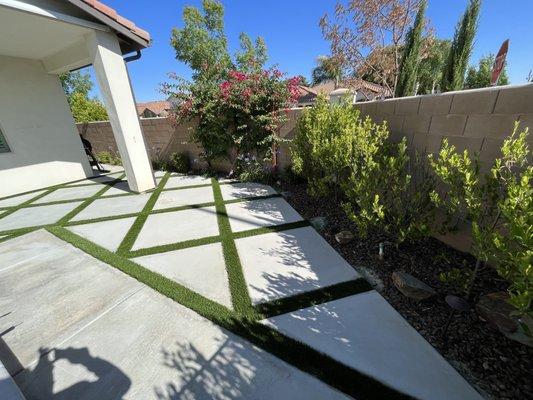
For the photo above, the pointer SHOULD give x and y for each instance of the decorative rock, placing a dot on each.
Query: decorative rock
(411, 287)
(495, 309)
(319, 223)
(344, 237)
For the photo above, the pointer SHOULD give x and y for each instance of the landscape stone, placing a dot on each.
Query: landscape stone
(411, 287)
(344, 237)
(319, 223)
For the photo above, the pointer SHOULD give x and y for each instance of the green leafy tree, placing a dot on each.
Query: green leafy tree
(453, 74)
(77, 87)
(321, 147)
(328, 69)
(480, 77)
(431, 65)
(235, 102)
(499, 207)
(87, 110)
(407, 78)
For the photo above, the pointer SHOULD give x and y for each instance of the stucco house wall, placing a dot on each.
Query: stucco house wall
(36, 121)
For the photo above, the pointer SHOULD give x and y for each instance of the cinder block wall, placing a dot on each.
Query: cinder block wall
(478, 120)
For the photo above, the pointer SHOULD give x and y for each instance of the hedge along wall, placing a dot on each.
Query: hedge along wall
(478, 120)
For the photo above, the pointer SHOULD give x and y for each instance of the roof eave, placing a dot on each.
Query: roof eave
(129, 41)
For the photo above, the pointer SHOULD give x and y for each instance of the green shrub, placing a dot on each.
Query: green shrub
(321, 148)
(386, 188)
(499, 206)
(179, 162)
(249, 169)
(107, 157)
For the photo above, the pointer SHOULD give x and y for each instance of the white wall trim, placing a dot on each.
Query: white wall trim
(43, 12)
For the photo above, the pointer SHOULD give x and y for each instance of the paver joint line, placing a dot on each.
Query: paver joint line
(244, 320)
(300, 355)
(127, 243)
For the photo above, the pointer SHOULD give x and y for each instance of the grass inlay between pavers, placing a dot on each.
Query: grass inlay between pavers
(244, 321)
(239, 292)
(133, 232)
(307, 359)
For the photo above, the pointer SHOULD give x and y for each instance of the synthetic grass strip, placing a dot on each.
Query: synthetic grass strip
(314, 297)
(270, 229)
(307, 359)
(163, 285)
(11, 210)
(239, 292)
(171, 247)
(88, 201)
(135, 229)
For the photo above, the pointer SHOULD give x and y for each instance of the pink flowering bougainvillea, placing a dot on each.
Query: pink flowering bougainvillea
(241, 113)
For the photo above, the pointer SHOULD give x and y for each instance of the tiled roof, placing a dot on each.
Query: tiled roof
(356, 84)
(157, 107)
(112, 13)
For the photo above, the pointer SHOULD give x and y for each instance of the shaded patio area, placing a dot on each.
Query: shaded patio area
(196, 289)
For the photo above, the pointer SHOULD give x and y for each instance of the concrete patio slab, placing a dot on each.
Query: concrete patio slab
(15, 201)
(36, 216)
(190, 267)
(177, 226)
(159, 174)
(118, 188)
(107, 207)
(282, 264)
(245, 189)
(367, 334)
(259, 213)
(50, 294)
(184, 197)
(149, 347)
(98, 179)
(70, 193)
(186, 180)
(108, 234)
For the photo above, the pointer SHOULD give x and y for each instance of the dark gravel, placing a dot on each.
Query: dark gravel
(498, 367)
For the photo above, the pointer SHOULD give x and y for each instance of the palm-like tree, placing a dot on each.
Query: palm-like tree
(328, 68)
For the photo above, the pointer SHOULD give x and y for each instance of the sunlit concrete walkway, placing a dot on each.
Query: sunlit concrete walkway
(206, 258)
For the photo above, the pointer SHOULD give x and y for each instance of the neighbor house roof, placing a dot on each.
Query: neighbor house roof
(360, 85)
(306, 95)
(159, 107)
(126, 29)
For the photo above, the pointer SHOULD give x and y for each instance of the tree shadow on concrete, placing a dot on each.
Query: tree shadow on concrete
(228, 373)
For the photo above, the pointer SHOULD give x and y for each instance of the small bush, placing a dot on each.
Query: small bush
(179, 162)
(386, 188)
(107, 157)
(321, 149)
(249, 169)
(499, 206)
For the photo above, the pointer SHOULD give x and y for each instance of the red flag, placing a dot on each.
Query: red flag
(499, 63)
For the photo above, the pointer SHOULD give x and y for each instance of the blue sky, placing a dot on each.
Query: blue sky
(294, 40)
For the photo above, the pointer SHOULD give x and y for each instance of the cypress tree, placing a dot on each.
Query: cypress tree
(453, 74)
(406, 85)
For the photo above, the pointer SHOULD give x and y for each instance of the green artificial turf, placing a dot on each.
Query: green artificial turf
(244, 319)
(239, 292)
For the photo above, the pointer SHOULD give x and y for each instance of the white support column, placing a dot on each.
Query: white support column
(115, 86)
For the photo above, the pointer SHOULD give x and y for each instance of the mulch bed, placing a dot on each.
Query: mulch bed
(497, 366)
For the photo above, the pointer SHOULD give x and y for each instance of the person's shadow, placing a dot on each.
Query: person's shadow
(111, 382)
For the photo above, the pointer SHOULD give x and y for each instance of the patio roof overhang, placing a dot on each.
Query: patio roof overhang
(68, 35)
(56, 32)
